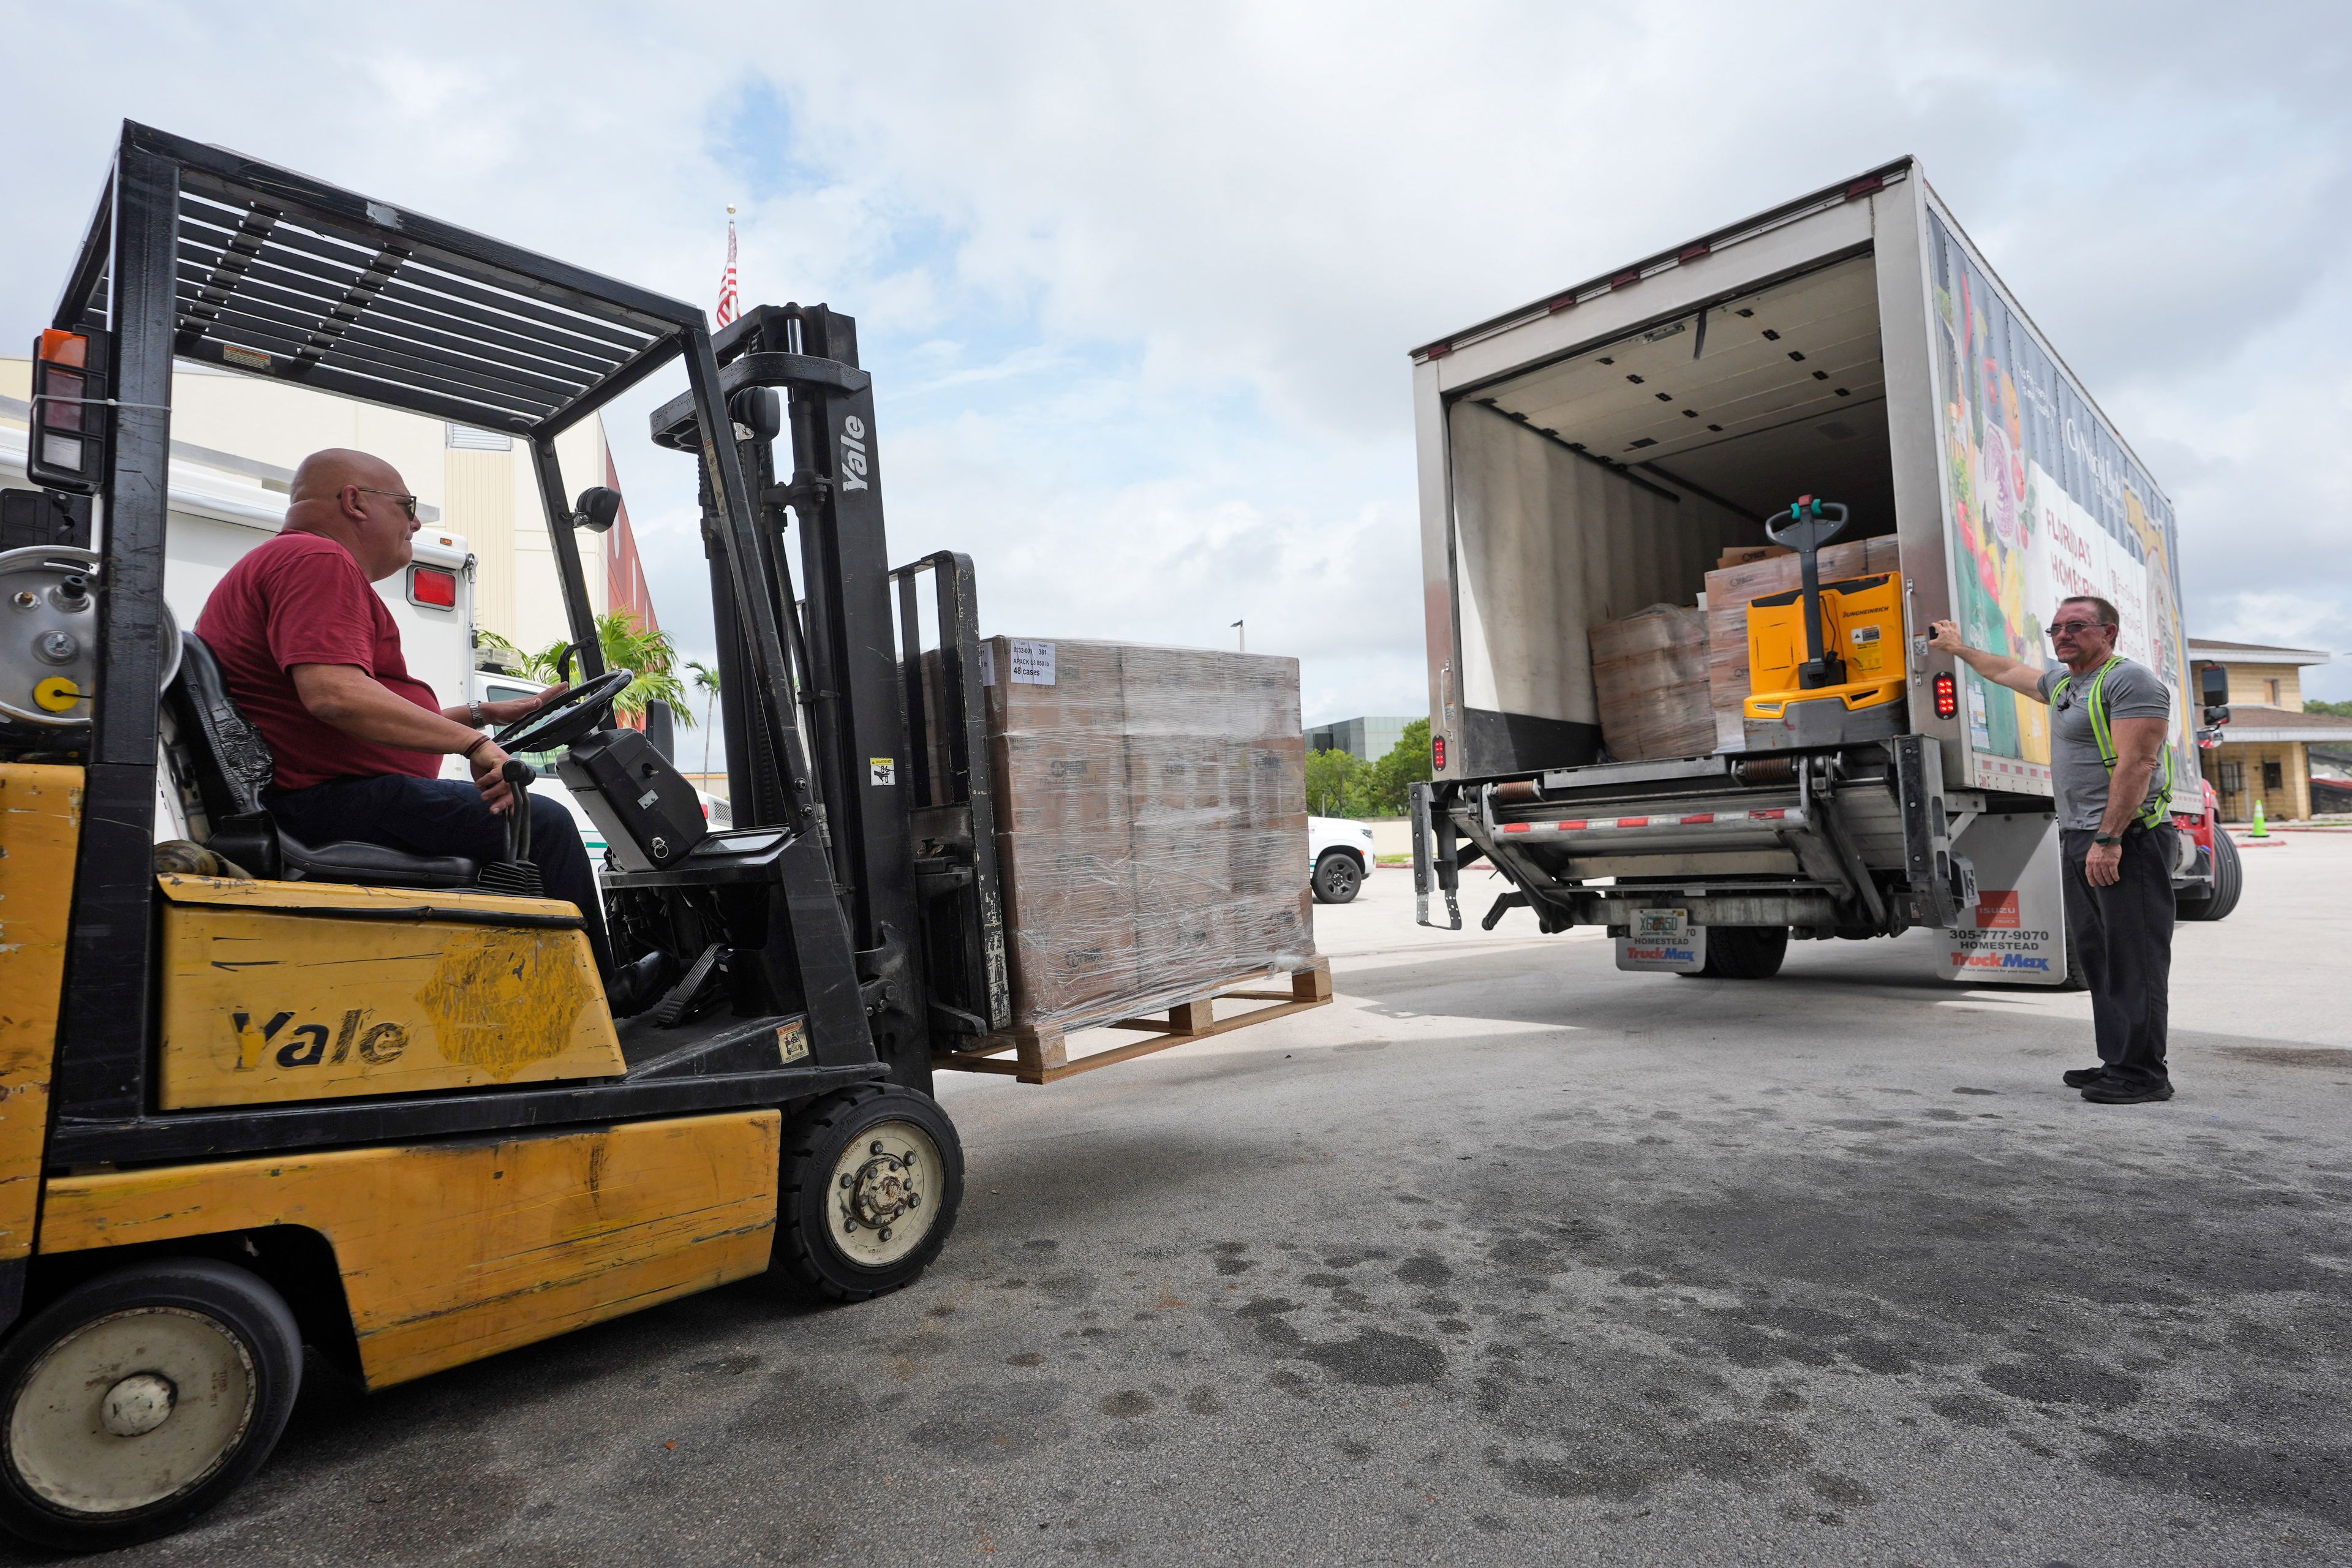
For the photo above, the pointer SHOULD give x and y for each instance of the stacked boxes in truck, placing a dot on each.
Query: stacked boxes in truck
(1622, 444)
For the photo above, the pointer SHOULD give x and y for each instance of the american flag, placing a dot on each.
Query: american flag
(730, 306)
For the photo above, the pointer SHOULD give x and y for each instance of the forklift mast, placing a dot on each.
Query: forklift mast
(924, 913)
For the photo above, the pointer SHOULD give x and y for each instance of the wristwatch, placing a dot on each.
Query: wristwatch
(2106, 838)
(474, 712)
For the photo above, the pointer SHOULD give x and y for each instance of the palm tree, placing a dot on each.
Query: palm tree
(705, 679)
(627, 646)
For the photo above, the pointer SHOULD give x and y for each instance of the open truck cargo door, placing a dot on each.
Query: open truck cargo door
(1620, 445)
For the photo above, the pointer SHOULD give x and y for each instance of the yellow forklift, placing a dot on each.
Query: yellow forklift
(257, 1093)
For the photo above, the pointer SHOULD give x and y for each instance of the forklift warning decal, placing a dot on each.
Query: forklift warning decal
(792, 1041)
(882, 770)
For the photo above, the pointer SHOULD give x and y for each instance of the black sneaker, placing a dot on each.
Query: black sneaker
(2083, 1078)
(2114, 1090)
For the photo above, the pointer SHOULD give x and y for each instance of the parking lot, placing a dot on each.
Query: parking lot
(1504, 1255)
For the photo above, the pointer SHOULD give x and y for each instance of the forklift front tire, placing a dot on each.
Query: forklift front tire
(871, 1183)
(140, 1399)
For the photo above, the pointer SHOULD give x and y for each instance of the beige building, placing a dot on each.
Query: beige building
(478, 485)
(2265, 751)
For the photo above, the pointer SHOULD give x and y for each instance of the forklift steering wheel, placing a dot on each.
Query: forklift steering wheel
(568, 718)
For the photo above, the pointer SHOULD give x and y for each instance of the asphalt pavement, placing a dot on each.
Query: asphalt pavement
(1505, 1257)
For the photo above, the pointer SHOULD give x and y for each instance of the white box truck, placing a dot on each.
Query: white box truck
(1596, 452)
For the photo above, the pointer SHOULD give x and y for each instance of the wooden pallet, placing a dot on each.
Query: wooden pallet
(1041, 1054)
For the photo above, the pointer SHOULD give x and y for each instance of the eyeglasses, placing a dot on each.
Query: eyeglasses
(2064, 627)
(407, 502)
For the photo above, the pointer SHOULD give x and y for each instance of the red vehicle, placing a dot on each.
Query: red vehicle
(2207, 882)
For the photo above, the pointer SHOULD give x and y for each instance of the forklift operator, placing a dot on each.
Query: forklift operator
(312, 657)
(2112, 772)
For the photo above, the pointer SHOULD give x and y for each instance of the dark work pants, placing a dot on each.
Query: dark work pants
(2121, 937)
(447, 816)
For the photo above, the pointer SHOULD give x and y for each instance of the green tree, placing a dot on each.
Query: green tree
(627, 646)
(1388, 787)
(2339, 710)
(1335, 783)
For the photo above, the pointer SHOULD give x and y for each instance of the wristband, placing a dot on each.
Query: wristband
(479, 742)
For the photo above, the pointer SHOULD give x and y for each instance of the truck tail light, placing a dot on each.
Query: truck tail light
(1437, 752)
(1947, 696)
(432, 586)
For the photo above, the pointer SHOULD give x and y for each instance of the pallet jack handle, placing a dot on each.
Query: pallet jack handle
(1805, 527)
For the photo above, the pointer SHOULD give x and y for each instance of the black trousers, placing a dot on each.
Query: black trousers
(2121, 939)
(448, 816)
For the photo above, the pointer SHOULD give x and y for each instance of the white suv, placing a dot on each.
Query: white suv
(1339, 857)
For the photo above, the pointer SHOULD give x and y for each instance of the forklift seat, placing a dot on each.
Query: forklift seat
(230, 765)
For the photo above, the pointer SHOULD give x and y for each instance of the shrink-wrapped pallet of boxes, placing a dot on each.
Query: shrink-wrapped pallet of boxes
(1731, 589)
(1649, 671)
(1151, 817)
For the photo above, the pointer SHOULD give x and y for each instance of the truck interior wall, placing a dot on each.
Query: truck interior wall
(1551, 543)
(1589, 486)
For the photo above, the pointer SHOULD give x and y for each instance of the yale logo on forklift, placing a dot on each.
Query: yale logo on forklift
(377, 1045)
(854, 460)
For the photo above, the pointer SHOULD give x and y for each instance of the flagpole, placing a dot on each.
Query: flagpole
(729, 303)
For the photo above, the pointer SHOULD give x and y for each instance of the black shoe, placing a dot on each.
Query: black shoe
(2112, 1090)
(634, 987)
(2083, 1078)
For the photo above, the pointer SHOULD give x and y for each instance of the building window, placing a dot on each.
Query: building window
(465, 438)
(2234, 778)
(2274, 776)
(2270, 693)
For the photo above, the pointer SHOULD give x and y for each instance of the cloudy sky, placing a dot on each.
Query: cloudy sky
(1136, 284)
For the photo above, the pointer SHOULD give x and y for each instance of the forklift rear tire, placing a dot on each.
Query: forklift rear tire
(1745, 952)
(871, 1183)
(138, 1400)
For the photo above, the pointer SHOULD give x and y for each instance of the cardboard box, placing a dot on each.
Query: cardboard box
(1650, 673)
(1154, 808)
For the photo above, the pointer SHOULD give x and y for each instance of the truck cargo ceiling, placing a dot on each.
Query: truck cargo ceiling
(280, 275)
(1748, 228)
(1745, 402)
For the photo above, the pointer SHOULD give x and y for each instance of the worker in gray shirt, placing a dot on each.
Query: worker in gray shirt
(2111, 766)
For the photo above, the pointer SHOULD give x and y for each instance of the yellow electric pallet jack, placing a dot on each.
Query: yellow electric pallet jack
(1824, 660)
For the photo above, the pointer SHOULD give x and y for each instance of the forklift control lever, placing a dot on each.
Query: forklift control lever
(517, 774)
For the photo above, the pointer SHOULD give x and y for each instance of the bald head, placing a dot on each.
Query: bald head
(355, 500)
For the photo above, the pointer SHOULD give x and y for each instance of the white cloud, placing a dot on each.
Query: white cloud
(1136, 284)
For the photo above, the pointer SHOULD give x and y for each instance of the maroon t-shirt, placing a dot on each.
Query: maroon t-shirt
(302, 599)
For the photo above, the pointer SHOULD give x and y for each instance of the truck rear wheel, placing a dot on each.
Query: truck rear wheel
(138, 1400)
(871, 1182)
(1745, 952)
(2228, 881)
